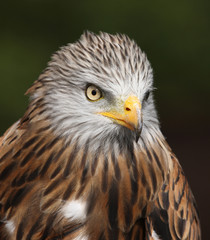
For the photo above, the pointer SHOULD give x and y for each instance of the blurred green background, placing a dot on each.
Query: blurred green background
(174, 34)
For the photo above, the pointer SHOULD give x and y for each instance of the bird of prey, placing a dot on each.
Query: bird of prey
(88, 161)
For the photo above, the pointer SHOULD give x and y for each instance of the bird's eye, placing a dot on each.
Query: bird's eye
(93, 93)
(146, 96)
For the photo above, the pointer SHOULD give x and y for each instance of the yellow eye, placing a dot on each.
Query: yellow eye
(93, 93)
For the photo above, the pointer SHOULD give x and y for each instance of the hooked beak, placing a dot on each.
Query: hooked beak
(129, 116)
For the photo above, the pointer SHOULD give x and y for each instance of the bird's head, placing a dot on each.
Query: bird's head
(99, 89)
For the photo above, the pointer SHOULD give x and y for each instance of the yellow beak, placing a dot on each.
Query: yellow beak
(129, 116)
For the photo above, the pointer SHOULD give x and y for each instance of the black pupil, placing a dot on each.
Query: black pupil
(147, 96)
(94, 92)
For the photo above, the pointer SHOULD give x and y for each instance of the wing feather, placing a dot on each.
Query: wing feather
(175, 214)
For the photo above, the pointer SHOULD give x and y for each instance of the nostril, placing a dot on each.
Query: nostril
(127, 109)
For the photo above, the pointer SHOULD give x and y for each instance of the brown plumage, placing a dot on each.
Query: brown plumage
(87, 160)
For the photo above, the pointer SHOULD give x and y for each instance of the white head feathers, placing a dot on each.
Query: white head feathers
(116, 65)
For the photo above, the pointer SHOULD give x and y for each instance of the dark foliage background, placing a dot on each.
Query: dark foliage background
(174, 34)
